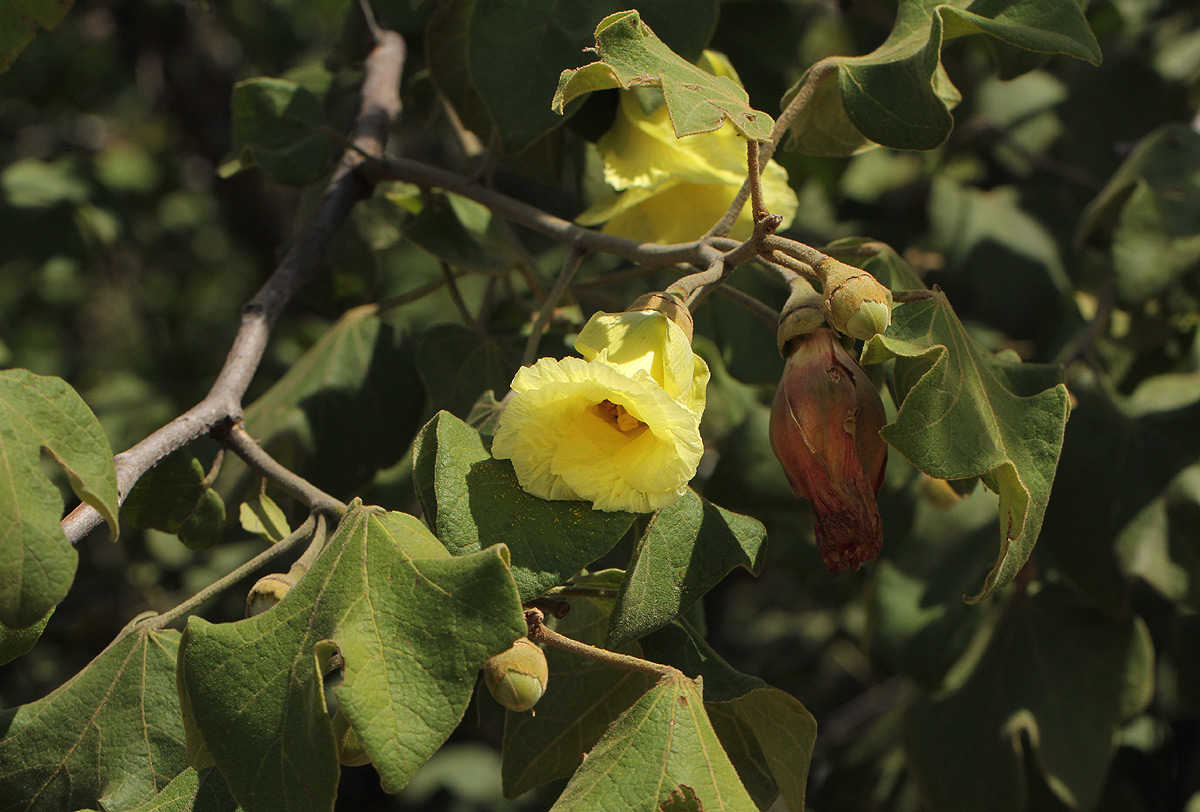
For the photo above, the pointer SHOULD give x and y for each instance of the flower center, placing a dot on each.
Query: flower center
(616, 415)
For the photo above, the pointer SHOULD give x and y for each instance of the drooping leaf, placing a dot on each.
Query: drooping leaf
(176, 497)
(19, 22)
(687, 548)
(1149, 214)
(632, 56)
(413, 624)
(899, 95)
(110, 736)
(1057, 674)
(279, 127)
(263, 517)
(470, 46)
(16, 643)
(458, 365)
(965, 412)
(45, 415)
(361, 367)
(660, 751)
(474, 502)
(190, 791)
(582, 699)
(767, 733)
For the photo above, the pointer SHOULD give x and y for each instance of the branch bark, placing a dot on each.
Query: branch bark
(378, 110)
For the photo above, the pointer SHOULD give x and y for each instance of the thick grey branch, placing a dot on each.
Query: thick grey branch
(378, 110)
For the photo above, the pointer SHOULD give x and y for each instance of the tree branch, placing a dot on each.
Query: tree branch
(241, 443)
(378, 110)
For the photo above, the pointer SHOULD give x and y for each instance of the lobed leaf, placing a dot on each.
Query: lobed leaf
(632, 56)
(109, 736)
(175, 497)
(414, 626)
(474, 502)
(1056, 674)
(662, 753)
(37, 564)
(687, 548)
(965, 412)
(900, 96)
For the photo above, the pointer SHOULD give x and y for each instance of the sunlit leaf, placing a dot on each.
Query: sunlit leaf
(632, 56)
(899, 95)
(1056, 674)
(413, 624)
(660, 751)
(474, 502)
(687, 548)
(111, 735)
(43, 415)
(965, 412)
(263, 517)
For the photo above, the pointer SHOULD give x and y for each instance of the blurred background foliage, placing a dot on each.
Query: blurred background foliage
(1062, 218)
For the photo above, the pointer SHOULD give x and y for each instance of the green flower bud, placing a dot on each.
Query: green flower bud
(517, 678)
(349, 746)
(801, 313)
(855, 303)
(270, 589)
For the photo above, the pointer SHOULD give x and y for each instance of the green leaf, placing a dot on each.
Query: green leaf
(1056, 673)
(444, 229)
(16, 643)
(263, 517)
(19, 22)
(1149, 212)
(583, 697)
(110, 736)
(190, 791)
(654, 755)
(362, 367)
(175, 497)
(897, 95)
(687, 548)
(413, 624)
(45, 415)
(279, 126)
(767, 733)
(965, 412)
(471, 45)
(474, 502)
(457, 365)
(632, 56)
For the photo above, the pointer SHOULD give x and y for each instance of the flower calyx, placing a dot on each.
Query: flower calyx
(670, 305)
(855, 302)
(517, 677)
(802, 313)
(824, 430)
(270, 589)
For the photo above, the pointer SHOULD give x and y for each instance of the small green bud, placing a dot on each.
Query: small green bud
(517, 678)
(855, 303)
(270, 589)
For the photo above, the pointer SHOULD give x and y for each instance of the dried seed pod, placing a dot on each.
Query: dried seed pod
(825, 425)
(517, 678)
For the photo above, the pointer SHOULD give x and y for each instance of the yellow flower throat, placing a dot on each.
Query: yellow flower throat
(616, 415)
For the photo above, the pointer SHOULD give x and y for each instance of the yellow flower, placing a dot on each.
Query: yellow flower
(619, 427)
(670, 189)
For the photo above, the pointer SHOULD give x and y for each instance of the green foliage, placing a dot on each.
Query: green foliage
(263, 517)
(474, 502)
(408, 619)
(632, 56)
(16, 642)
(998, 419)
(278, 126)
(20, 21)
(190, 791)
(44, 415)
(111, 735)
(899, 94)
(175, 497)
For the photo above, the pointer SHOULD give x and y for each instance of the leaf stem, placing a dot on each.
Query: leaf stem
(221, 584)
(758, 209)
(456, 296)
(241, 443)
(570, 266)
(540, 633)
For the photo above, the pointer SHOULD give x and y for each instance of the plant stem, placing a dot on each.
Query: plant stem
(758, 209)
(241, 443)
(540, 633)
(456, 296)
(221, 584)
(570, 266)
(408, 298)
(767, 314)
